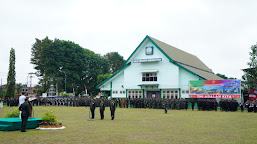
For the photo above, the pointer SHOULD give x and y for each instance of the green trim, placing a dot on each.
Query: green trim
(187, 70)
(126, 93)
(146, 51)
(112, 76)
(136, 49)
(160, 93)
(111, 90)
(143, 93)
(172, 61)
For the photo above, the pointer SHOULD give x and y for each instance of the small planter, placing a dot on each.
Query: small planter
(50, 126)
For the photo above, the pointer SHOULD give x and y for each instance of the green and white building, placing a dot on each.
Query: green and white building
(156, 69)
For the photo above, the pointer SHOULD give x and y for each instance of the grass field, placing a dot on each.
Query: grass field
(140, 126)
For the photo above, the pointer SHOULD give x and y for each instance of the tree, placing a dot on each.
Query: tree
(115, 61)
(224, 77)
(53, 59)
(103, 77)
(10, 88)
(250, 76)
(18, 88)
(38, 59)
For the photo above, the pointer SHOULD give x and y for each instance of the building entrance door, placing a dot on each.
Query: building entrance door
(153, 94)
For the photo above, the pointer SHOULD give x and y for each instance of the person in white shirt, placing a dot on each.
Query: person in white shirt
(22, 100)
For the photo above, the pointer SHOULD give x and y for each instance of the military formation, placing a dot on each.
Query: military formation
(152, 103)
(159, 103)
(207, 104)
(228, 105)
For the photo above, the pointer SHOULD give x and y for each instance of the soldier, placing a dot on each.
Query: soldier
(186, 104)
(25, 114)
(112, 108)
(102, 108)
(92, 108)
(164, 104)
(193, 104)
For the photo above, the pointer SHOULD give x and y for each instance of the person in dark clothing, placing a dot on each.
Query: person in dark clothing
(193, 104)
(92, 108)
(112, 108)
(102, 108)
(24, 108)
(164, 105)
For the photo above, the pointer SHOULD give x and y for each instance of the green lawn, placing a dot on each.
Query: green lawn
(140, 126)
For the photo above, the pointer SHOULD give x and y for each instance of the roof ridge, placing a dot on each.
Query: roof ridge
(182, 51)
(172, 46)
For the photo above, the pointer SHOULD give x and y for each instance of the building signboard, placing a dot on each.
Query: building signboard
(147, 60)
(215, 89)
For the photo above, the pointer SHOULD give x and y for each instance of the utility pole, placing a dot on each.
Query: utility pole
(29, 75)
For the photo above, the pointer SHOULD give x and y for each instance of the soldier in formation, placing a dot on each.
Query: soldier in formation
(228, 105)
(92, 108)
(154, 103)
(112, 109)
(102, 108)
(207, 104)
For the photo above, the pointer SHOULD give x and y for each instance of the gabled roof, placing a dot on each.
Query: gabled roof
(178, 57)
(186, 60)
(182, 59)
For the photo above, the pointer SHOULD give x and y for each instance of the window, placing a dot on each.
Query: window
(170, 94)
(135, 93)
(149, 77)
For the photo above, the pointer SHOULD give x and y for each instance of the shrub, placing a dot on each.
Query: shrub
(49, 117)
(14, 113)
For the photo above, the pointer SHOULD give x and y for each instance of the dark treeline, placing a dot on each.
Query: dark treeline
(53, 59)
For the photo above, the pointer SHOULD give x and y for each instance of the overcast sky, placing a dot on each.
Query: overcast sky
(218, 32)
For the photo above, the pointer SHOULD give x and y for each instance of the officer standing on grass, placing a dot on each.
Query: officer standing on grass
(164, 104)
(102, 108)
(25, 114)
(193, 104)
(112, 108)
(92, 108)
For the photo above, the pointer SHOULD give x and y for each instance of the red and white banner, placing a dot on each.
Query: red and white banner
(252, 94)
(215, 89)
(214, 96)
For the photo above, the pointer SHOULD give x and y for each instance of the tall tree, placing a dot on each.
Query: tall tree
(250, 76)
(18, 88)
(53, 59)
(115, 61)
(38, 59)
(10, 88)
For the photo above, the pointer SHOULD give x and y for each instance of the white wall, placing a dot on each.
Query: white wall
(167, 75)
(184, 78)
(117, 84)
